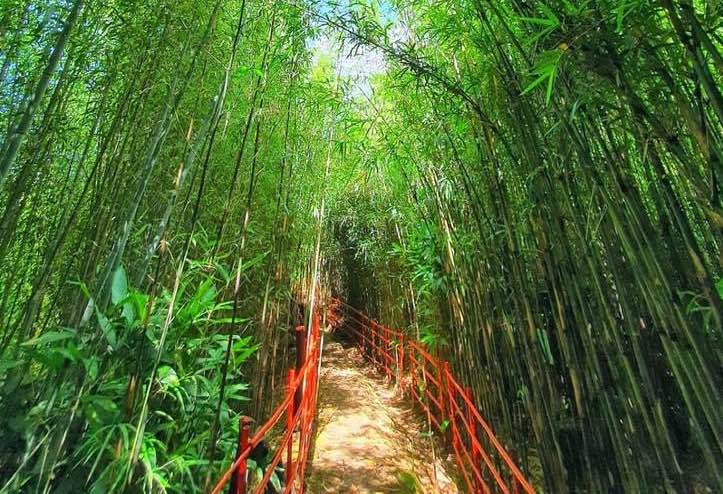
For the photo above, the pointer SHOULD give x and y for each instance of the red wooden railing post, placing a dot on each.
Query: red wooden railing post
(377, 345)
(238, 481)
(425, 383)
(412, 372)
(474, 432)
(452, 410)
(380, 346)
(300, 360)
(398, 352)
(384, 352)
(391, 350)
(304, 432)
(443, 394)
(373, 342)
(387, 351)
(401, 354)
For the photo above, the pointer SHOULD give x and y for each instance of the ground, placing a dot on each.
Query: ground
(369, 439)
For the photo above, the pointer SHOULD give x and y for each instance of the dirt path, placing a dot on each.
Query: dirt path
(368, 439)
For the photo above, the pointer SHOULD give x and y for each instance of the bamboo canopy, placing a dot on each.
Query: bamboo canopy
(530, 188)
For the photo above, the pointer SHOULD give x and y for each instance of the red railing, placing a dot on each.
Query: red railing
(299, 409)
(483, 462)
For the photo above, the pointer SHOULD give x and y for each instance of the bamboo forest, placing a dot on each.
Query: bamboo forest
(361, 246)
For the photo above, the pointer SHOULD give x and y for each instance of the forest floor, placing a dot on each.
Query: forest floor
(369, 439)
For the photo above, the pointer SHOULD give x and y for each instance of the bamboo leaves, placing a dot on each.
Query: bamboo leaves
(112, 123)
(565, 248)
(107, 328)
(547, 24)
(132, 302)
(623, 10)
(50, 337)
(546, 70)
(119, 285)
(545, 346)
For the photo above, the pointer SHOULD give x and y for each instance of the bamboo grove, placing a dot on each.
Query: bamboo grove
(531, 188)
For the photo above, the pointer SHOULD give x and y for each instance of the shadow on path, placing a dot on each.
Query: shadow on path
(366, 435)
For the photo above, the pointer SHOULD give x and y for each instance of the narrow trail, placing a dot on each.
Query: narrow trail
(368, 438)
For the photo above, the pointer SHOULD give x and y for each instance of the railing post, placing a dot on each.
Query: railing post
(379, 344)
(412, 371)
(384, 352)
(300, 360)
(306, 414)
(401, 356)
(442, 376)
(456, 440)
(238, 481)
(424, 397)
(384, 340)
(473, 431)
(372, 343)
(452, 414)
(390, 351)
(289, 427)
(397, 360)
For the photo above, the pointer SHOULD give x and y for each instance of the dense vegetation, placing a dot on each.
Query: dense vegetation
(532, 188)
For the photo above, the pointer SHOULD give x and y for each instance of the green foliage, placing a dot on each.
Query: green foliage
(408, 483)
(555, 167)
(547, 24)
(166, 169)
(545, 70)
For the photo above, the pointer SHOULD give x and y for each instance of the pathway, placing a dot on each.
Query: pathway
(369, 440)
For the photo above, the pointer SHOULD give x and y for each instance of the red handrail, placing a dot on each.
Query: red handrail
(299, 406)
(386, 346)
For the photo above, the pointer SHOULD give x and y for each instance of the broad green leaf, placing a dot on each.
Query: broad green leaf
(91, 367)
(107, 329)
(167, 376)
(140, 301)
(50, 337)
(275, 482)
(134, 307)
(119, 287)
(102, 402)
(70, 352)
